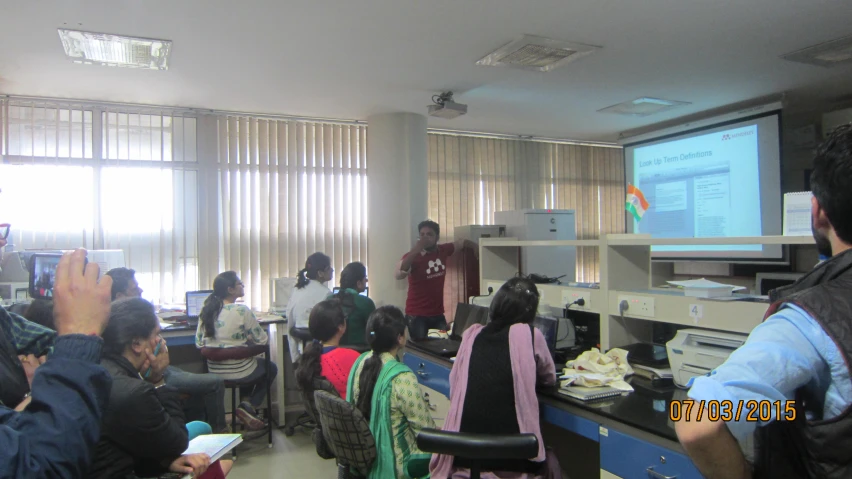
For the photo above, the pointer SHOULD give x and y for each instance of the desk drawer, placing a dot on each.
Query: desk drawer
(631, 458)
(430, 374)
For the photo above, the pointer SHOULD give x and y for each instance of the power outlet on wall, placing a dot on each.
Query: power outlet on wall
(570, 296)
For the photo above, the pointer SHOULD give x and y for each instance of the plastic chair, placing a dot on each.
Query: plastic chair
(221, 354)
(347, 434)
(478, 448)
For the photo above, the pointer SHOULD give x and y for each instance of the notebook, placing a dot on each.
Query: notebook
(797, 214)
(584, 393)
(214, 445)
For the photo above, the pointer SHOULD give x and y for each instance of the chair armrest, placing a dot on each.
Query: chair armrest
(478, 446)
(242, 352)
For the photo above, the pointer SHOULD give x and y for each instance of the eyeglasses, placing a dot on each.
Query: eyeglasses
(4, 230)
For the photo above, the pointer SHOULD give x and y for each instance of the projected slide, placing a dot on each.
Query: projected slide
(702, 186)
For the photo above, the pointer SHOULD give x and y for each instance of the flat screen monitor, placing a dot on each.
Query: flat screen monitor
(716, 181)
(43, 274)
(195, 301)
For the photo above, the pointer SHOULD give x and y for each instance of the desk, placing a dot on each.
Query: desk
(633, 432)
(279, 354)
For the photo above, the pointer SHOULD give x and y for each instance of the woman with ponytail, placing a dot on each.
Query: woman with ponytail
(324, 357)
(310, 289)
(387, 393)
(356, 308)
(225, 324)
(493, 381)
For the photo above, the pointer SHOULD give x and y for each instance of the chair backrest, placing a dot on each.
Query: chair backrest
(319, 384)
(301, 334)
(346, 432)
(241, 352)
(478, 446)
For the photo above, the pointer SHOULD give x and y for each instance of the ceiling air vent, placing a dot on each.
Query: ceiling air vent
(643, 106)
(829, 54)
(529, 52)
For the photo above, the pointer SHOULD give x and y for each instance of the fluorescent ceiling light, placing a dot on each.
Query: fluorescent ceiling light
(643, 106)
(115, 50)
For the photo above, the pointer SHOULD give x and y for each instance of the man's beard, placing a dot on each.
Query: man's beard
(822, 243)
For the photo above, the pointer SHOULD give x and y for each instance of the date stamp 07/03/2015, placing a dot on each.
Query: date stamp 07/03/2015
(753, 411)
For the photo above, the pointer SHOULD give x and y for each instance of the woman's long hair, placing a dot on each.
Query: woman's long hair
(324, 322)
(315, 263)
(215, 302)
(129, 319)
(349, 277)
(385, 326)
(515, 302)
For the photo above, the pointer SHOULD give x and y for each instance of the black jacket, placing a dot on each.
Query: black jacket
(143, 428)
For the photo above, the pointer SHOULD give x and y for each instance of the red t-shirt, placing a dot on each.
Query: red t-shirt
(336, 365)
(426, 282)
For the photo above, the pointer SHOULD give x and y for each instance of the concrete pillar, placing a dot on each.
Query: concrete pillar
(397, 197)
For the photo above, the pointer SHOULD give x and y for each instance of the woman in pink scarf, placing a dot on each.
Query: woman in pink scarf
(493, 380)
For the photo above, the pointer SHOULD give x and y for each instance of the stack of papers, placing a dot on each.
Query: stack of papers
(703, 288)
(214, 445)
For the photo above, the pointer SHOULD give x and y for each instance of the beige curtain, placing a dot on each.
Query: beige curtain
(471, 177)
(76, 174)
(286, 189)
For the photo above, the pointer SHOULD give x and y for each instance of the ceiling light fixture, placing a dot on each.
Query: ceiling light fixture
(643, 106)
(829, 54)
(115, 50)
(529, 52)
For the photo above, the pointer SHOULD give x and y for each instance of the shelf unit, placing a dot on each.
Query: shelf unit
(627, 272)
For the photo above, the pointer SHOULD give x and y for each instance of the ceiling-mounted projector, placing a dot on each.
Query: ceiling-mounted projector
(445, 107)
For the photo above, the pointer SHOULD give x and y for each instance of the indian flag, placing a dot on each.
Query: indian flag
(636, 202)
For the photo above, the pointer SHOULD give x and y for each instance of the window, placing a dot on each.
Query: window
(137, 193)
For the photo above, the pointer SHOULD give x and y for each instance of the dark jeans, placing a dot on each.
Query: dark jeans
(257, 393)
(419, 326)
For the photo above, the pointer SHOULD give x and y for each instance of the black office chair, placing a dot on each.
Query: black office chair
(221, 354)
(302, 335)
(478, 448)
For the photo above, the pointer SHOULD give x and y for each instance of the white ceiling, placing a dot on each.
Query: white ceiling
(350, 59)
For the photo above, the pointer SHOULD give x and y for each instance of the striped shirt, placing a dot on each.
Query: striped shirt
(236, 327)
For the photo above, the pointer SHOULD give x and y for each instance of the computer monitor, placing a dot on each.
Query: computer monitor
(467, 315)
(547, 326)
(195, 301)
(366, 291)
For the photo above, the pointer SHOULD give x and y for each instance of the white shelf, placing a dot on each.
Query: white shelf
(514, 243)
(641, 240)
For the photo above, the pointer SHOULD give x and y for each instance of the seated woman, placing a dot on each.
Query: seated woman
(143, 431)
(357, 308)
(324, 358)
(387, 393)
(310, 289)
(225, 324)
(493, 381)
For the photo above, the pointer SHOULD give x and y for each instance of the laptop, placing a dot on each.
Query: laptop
(366, 291)
(466, 316)
(194, 303)
(548, 327)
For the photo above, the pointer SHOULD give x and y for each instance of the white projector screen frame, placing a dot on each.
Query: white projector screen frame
(767, 130)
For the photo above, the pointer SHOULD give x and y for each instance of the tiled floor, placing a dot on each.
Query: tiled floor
(289, 457)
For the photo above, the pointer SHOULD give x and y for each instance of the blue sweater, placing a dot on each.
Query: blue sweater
(55, 435)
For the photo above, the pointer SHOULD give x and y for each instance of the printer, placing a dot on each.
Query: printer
(696, 352)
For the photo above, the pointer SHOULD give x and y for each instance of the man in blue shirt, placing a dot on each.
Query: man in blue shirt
(51, 433)
(795, 365)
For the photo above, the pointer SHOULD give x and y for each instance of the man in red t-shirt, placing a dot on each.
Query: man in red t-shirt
(425, 266)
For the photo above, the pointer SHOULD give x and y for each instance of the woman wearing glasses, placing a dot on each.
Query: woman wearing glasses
(311, 288)
(225, 324)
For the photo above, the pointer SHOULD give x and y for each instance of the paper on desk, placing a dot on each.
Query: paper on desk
(704, 284)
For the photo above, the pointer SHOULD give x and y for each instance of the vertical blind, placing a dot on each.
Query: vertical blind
(471, 177)
(287, 189)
